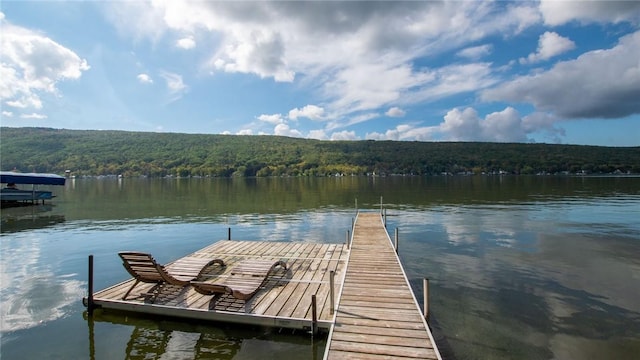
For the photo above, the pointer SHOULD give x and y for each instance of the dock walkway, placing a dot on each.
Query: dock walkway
(377, 314)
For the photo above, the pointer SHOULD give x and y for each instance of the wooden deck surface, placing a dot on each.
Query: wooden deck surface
(377, 315)
(283, 301)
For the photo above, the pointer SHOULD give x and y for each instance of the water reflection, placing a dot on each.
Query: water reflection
(520, 267)
(164, 339)
(521, 281)
(198, 199)
(28, 218)
(32, 293)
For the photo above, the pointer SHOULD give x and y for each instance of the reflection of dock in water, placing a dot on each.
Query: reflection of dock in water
(160, 339)
(29, 218)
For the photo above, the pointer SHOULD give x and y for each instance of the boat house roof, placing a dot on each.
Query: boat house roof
(31, 178)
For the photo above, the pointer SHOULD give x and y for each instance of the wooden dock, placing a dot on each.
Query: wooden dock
(373, 313)
(377, 315)
(284, 300)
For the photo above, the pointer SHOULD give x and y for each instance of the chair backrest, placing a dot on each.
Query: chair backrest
(142, 266)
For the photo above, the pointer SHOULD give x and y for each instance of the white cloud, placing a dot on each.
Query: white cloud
(405, 132)
(26, 102)
(358, 55)
(475, 52)
(312, 112)
(543, 123)
(467, 125)
(550, 44)
(502, 126)
(144, 78)
(272, 119)
(395, 112)
(351, 120)
(175, 85)
(285, 130)
(137, 20)
(7, 113)
(451, 80)
(186, 43)
(344, 135)
(374, 136)
(33, 116)
(461, 125)
(33, 64)
(318, 135)
(598, 84)
(260, 52)
(244, 132)
(561, 12)
(356, 89)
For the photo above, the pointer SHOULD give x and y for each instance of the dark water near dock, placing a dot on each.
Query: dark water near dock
(519, 267)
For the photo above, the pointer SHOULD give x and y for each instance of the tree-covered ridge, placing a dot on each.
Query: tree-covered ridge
(92, 152)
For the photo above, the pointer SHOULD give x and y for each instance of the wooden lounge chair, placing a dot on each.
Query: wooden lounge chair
(144, 268)
(244, 281)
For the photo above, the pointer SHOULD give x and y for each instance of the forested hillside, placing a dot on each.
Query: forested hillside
(162, 154)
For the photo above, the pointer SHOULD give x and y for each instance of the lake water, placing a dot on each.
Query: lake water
(519, 267)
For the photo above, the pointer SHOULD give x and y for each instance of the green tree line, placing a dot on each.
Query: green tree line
(93, 152)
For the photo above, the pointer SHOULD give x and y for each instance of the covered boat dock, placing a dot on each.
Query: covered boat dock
(11, 195)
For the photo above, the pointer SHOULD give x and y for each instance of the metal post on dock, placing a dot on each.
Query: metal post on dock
(425, 287)
(380, 205)
(348, 240)
(90, 304)
(228, 233)
(396, 237)
(332, 276)
(385, 217)
(314, 315)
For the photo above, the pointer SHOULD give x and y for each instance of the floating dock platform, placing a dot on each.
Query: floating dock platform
(357, 292)
(285, 300)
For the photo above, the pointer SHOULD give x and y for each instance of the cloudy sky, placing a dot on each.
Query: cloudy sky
(522, 71)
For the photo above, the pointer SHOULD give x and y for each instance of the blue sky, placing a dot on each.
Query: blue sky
(523, 71)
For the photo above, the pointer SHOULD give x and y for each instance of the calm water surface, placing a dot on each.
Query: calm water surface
(520, 267)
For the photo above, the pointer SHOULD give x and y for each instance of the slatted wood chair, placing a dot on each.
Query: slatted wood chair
(245, 279)
(144, 268)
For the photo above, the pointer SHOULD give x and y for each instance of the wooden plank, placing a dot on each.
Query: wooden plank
(382, 339)
(372, 330)
(338, 354)
(387, 350)
(375, 303)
